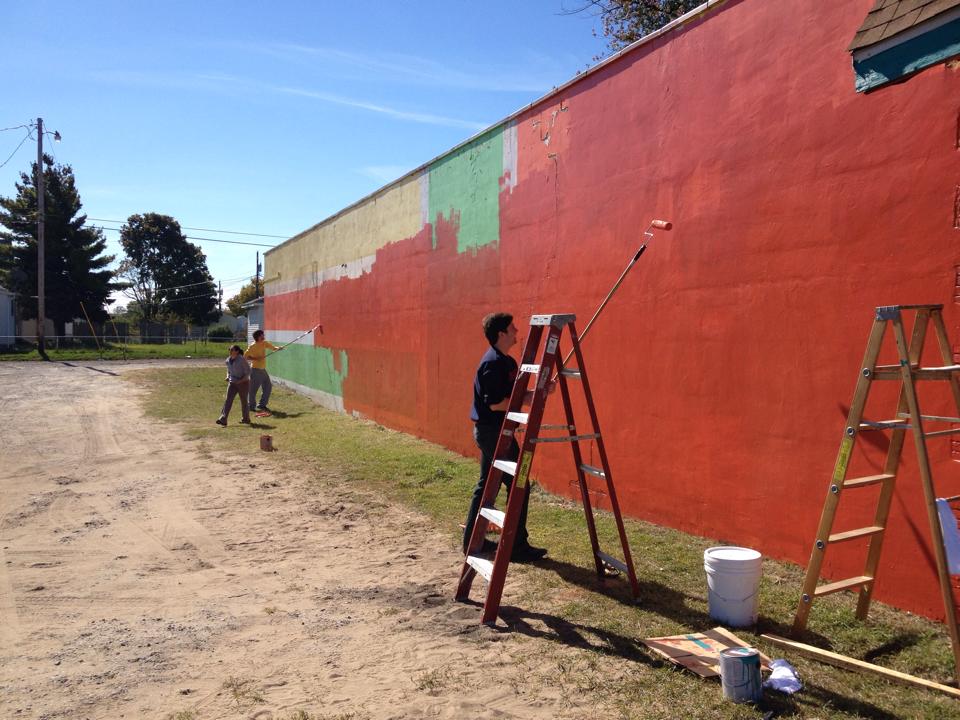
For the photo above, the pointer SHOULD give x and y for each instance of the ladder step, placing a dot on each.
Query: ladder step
(493, 515)
(591, 470)
(859, 532)
(893, 372)
(518, 417)
(567, 438)
(833, 587)
(885, 425)
(532, 369)
(867, 480)
(506, 466)
(483, 566)
(570, 373)
(952, 431)
(613, 562)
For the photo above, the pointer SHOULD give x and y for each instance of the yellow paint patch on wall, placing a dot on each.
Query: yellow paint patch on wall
(391, 215)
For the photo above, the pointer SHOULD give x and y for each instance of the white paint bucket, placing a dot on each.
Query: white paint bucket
(733, 584)
(740, 675)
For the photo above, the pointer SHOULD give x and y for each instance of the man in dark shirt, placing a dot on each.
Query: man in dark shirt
(492, 387)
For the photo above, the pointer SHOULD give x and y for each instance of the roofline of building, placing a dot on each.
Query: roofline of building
(672, 26)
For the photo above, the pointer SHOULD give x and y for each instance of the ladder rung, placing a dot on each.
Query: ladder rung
(952, 431)
(506, 466)
(567, 438)
(570, 373)
(893, 372)
(518, 417)
(558, 427)
(842, 585)
(935, 418)
(532, 369)
(852, 534)
(493, 515)
(867, 480)
(591, 470)
(884, 425)
(483, 566)
(613, 562)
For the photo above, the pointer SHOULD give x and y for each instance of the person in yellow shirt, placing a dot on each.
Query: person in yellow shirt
(257, 355)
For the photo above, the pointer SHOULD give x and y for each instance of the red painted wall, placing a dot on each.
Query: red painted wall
(723, 369)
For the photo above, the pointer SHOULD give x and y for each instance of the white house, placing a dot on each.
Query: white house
(8, 331)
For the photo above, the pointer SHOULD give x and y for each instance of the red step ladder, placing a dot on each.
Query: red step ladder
(495, 571)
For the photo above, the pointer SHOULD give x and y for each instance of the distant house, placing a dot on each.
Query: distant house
(7, 323)
(254, 310)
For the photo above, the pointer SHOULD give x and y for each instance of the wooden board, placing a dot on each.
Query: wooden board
(699, 652)
(850, 663)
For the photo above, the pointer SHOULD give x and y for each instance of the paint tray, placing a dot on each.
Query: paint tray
(699, 652)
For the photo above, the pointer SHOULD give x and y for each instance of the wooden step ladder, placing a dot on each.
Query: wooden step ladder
(908, 417)
(529, 423)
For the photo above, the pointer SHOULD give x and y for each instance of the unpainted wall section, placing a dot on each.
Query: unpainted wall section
(723, 369)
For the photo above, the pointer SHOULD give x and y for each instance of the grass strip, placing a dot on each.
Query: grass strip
(563, 602)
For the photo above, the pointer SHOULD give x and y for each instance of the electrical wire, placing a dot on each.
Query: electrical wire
(184, 227)
(200, 239)
(10, 157)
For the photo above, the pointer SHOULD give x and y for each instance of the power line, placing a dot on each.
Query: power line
(25, 138)
(194, 237)
(16, 127)
(184, 227)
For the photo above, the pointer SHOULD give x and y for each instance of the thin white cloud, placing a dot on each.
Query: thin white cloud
(418, 70)
(425, 118)
(384, 173)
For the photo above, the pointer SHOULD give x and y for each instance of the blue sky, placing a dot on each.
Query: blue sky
(266, 119)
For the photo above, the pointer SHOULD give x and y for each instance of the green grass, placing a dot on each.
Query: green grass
(123, 351)
(564, 604)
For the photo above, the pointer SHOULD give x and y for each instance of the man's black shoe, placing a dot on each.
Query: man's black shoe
(527, 553)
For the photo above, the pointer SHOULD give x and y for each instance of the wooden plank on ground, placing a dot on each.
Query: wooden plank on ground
(849, 663)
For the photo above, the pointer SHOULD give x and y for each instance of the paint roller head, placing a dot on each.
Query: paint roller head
(662, 224)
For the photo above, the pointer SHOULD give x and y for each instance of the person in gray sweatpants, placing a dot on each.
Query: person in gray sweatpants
(259, 377)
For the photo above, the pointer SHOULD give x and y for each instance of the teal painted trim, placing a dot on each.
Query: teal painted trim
(465, 188)
(310, 366)
(896, 63)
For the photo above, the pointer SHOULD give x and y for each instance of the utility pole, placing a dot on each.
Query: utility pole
(256, 280)
(220, 296)
(41, 289)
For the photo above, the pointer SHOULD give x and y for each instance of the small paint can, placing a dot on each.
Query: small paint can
(266, 443)
(740, 674)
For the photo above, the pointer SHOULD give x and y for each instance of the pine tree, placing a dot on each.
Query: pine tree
(76, 269)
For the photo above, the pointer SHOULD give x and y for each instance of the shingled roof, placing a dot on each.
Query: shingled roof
(891, 17)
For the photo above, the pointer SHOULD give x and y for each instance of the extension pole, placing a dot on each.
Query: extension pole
(318, 325)
(659, 225)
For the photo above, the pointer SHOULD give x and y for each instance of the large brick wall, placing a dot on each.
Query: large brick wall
(723, 369)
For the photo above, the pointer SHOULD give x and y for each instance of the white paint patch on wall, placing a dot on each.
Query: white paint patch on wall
(509, 157)
(282, 337)
(351, 269)
(424, 183)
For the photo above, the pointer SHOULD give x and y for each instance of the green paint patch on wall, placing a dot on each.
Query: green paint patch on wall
(465, 189)
(312, 367)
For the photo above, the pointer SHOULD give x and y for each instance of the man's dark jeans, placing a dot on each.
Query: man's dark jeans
(486, 437)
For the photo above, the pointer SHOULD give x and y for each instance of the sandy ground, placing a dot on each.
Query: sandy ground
(143, 575)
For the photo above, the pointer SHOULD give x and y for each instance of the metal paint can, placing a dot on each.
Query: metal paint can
(266, 443)
(740, 674)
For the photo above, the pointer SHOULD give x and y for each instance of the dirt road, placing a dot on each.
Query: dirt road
(144, 575)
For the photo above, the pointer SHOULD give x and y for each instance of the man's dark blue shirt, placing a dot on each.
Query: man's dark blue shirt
(492, 384)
